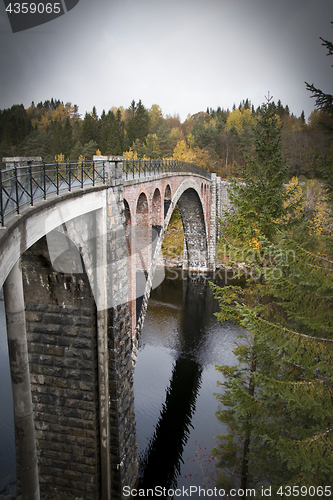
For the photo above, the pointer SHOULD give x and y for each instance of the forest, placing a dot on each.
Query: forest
(216, 139)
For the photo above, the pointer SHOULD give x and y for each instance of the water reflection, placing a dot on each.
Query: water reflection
(173, 427)
(180, 343)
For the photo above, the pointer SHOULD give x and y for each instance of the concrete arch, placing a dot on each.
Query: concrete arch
(42, 219)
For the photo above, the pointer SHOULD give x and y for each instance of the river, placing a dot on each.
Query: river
(174, 384)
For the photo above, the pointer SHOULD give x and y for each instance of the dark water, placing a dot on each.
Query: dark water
(174, 382)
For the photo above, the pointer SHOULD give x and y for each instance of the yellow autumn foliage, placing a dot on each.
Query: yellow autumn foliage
(239, 118)
(314, 204)
(60, 114)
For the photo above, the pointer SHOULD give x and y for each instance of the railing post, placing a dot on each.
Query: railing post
(57, 171)
(44, 180)
(69, 178)
(31, 193)
(82, 173)
(16, 189)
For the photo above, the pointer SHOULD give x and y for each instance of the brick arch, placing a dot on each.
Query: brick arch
(167, 192)
(191, 205)
(142, 209)
(142, 242)
(127, 213)
(167, 199)
(156, 205)
(192, 213)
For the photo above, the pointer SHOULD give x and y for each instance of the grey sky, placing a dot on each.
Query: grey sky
(184, 55)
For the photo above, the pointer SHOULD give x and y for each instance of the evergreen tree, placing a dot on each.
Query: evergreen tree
(279, 398)
(260, 198)
(137, 126)
(324, 100)
(90, 128)
(89, 150)
(325, 103)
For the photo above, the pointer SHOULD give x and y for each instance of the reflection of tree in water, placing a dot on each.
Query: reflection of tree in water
(160, 462)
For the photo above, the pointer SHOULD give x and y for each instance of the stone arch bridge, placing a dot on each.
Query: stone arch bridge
(80, 251)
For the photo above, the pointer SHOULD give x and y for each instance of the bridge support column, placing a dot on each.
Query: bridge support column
(20, 375)
(122, 442)
(213, 226)
(218, 206)
(102, 352)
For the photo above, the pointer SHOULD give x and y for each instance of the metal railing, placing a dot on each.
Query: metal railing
(22, 185)
(135, 169)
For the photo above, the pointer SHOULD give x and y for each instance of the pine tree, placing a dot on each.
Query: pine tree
(260, 198)
(324, 100)
(279, 398)
(137, 126)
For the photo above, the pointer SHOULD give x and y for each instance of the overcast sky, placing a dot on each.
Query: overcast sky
(185, 55)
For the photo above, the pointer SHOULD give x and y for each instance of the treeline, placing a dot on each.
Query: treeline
(217, 140)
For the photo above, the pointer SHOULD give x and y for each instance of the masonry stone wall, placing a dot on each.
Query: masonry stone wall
(61, 332)
(123, 447)
(194, 229)
(224, 202)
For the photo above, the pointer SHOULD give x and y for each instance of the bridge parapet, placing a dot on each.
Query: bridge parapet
(21, 185)
(133, 169)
